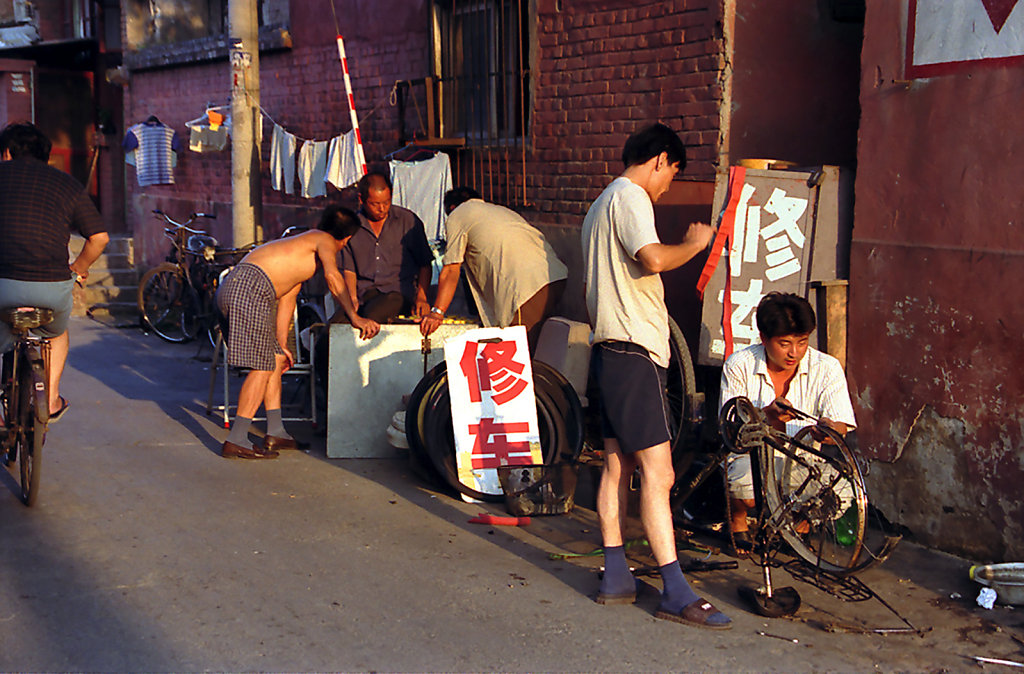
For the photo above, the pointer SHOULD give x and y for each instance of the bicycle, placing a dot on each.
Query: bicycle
(177, 298)
(24, 390)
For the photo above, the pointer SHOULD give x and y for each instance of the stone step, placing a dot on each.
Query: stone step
(113, 293)
(120, 245)
(111, 276)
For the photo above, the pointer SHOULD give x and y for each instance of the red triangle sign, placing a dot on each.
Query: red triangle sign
(998, 11)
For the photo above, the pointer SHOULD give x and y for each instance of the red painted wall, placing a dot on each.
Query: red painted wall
(794, 87)
(935, 295)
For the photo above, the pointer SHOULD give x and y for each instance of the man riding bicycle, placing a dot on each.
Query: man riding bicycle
(39, 208)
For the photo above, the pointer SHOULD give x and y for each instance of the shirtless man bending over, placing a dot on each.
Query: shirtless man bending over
(258, 299)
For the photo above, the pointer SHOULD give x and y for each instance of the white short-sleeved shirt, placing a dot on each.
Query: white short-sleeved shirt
(625, 301)
(818, 388)
(507, 260)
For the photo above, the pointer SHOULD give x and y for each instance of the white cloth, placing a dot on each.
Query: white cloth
(420, 186)
(625, 301)
(313, 168)
(818, 388)
(506, 260)
(343, 165)
(282, 160)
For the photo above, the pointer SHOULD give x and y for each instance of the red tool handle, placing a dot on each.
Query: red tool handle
(487, 518)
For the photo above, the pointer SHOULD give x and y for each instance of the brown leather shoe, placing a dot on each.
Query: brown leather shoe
(230, 450)
(274, 443)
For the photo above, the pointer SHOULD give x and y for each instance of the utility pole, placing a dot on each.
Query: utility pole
(246, 192)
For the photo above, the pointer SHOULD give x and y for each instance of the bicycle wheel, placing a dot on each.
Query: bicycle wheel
(168, 303)
(818, 499)
(34, 412)
(681, 394)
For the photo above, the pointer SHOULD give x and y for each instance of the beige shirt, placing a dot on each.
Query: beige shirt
(506, 260)
(625, 301)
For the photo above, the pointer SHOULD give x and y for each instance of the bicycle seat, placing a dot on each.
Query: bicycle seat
(26, 318)
(202, 245)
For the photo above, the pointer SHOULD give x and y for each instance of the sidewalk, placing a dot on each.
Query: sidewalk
(148, 551)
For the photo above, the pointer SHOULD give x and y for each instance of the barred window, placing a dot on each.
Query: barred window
(481, 65)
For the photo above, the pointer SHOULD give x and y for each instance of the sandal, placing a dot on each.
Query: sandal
(698, 614)
(617, 598)
(55, 416)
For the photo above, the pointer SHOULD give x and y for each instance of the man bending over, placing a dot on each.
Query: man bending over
(258, 299)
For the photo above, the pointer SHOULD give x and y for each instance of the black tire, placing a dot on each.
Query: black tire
(428, 425)
(34, 413)
(168, 303)
(824, 501)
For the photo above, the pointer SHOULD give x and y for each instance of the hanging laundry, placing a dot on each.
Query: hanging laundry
(420, 186)
(282, 160)
(313, 168)
(343, 165)
(155, 144)
(208, 133)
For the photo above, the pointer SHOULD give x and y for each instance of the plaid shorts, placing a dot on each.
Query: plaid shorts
(249, 302)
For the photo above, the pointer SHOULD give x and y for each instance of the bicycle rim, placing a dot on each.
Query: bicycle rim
(33, 432)
(821, 501)
(680, 387)
(167, 303)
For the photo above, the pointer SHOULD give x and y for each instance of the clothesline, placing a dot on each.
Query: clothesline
(390, 98)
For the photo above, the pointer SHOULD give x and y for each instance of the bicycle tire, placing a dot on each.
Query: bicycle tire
(33, 416)
(168, 303)
(419, 460)
(824, 495)
(430, 430)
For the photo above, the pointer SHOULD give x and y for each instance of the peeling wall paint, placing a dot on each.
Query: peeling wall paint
(936, 347)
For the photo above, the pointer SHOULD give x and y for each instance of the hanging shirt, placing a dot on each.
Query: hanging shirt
(420, 186)
(343, 165)
(155, 144)
(313, 168)
(282, 160)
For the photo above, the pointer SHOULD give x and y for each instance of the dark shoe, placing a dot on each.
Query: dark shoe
(744, 541)
(230, 450)
(618, 598)
(55, 416)
(274, 443)
(699, 614)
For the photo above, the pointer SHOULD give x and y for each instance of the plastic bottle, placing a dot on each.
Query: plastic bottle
(846, 527)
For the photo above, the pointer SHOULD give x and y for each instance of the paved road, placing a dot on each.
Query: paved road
(149, 552)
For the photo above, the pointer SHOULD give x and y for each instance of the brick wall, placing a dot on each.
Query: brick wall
(600, 71)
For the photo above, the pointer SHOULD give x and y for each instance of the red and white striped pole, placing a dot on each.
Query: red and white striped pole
(360, 157)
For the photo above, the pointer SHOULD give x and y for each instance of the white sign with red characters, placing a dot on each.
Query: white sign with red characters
(494, 411)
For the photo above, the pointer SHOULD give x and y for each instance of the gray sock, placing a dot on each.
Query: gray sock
(275, 426)
(239, 434)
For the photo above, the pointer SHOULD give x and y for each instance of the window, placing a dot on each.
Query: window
(481, 64)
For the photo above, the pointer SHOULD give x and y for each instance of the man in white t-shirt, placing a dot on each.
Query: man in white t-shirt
(622, 260)
(514, 274)
(783, 370)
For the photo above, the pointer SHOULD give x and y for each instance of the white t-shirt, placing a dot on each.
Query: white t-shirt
(626, 302)
(507, 261)
(818, 387)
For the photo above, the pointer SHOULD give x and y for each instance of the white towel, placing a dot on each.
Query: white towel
(282, 160)
(343, 165)
(313, 168)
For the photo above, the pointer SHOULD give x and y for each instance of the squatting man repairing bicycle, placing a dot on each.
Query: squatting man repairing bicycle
(622, 261)
(39, 208)
(258, 299)
(781, 373)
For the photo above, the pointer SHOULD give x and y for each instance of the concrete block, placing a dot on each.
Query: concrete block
(366, 382)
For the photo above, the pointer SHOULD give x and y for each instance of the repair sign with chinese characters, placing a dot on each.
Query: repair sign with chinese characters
(494, 411)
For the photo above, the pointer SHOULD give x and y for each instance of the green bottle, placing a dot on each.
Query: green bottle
(846, 527)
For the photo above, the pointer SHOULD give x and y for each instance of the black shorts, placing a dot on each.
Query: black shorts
(634, 409)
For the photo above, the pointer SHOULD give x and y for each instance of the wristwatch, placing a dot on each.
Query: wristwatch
(435, 310)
